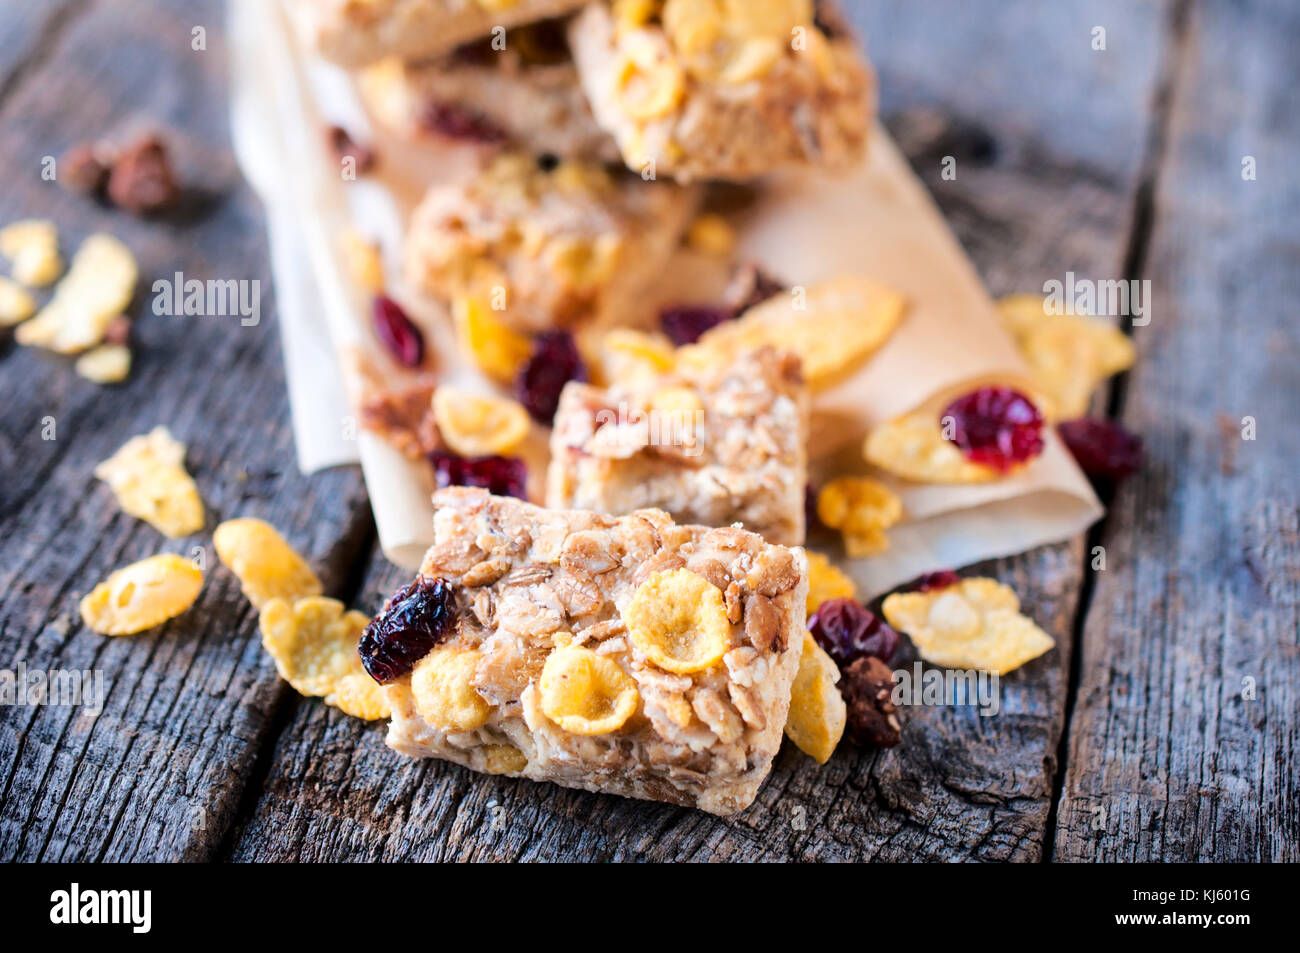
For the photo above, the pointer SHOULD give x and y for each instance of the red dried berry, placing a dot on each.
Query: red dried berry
(416, 618)
(554, 362)
(995, 426)
(397, 332)
(686, 324)
(141, 179)
(456, 122)
(848, 631)
(500, 476)
(941, 579)
(1105, 451)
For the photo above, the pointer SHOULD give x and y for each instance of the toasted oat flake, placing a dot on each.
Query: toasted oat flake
(678, 620)
(861, 509)
(478, 425)
(16, 303)
(913, 447)
(586, 693)
(974, 624)
(817, 711)
(97, 288)
(147, 475)
(142, 595)
(267, 566)
(106, 364)
(32, 246)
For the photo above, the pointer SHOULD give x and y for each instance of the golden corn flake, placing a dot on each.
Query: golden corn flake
(16, 303)
(503, 759)
(1068, 354)
(585, 693)
(679, 621)
(624, 355)
(147, 475)
(266, 565)
(913, 447)
(712, 235)
(475, 425)
(142, 595)
(836, 326)
(314, 644)
(974, 624)
(497, 349)
(97, 288)
(442, 684)
(364, 262)
(106, 364)
(817, 710)
(32, 246)
(861, 509)
(826, 581)
(647, 79)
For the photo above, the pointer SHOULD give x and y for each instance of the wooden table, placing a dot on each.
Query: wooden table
(1165, 725)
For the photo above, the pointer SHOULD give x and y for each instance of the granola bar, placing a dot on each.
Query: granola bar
(554, 243)
(355, 33)
(626, 655)
(711, 445)
(726, 89)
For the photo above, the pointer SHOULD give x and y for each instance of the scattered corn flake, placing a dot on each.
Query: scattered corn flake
(33, 248)
(624, 355)
(678, 620)
(1069, 355)
(913, 447)
(314, 644)
(499, 351)
(105, 364)
(147, 475)
(712, 234)
(647, 78)
(503, 759)
(833, 327)
(364, 261)
(974, 624)
(861, 509)
(442, 686)
(97, 288)
(16, 303)
(477, 425)
(266, 565)
(585, 693)
(826, 581)
(142, 595)
(817, 710)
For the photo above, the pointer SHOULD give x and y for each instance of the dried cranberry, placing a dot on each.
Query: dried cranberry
(995, 426)
(457, 122)
(554, 362)
(416, 619)
(141, 179)
(500, 476)
(1106, 451)
(345, 147)
(686, 324)
(941, 579)
(848, 631)
(397, 332)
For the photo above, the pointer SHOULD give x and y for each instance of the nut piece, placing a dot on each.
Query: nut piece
(586, 693)
(84, 168)
(817, 711)
(142, 595)
(141, 180)
(679, 622)
(872, 716)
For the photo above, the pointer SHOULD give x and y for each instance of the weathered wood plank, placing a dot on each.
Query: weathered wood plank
(1171, 757)
(157, 775)
(959, 786)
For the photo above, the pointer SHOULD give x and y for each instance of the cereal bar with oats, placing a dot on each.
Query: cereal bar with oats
(725, 89)
(716, 444)
(524, 95)
(556, 242)
(355, 33)
(627, 655)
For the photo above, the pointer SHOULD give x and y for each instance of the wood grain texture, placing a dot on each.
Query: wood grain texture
(959, 786)
(1169, 757)
(158, 773)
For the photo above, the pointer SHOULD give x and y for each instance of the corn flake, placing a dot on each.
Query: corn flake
(364, 261)
(16, 303)
(585, 693)
(826, 581)
(974, 624)
(442, 684)
(648, 81)
(147, 475)
(142, 595)
(266, 565)
(314, 644)
(497, 349)
(841, 323)
(817, 710)
(475, 425)
(105, 364)
(679, 621)
(913, 447)
(503, 759)
(1068, 354)
(33, 248)
(97, 288)
(711, 234)
(861, 509)
(624, 355)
